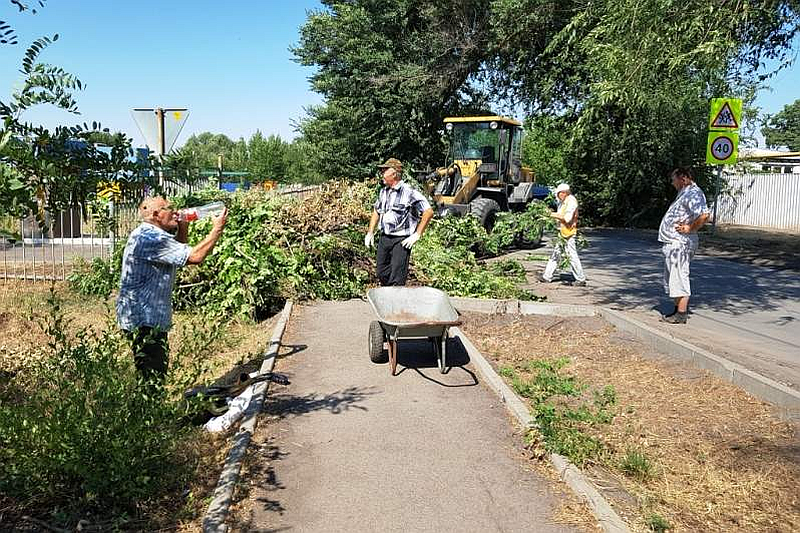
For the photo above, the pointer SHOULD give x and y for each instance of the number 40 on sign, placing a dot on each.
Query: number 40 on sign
(722, 148)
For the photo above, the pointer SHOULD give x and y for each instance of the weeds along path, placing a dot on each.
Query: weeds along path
(354, 449)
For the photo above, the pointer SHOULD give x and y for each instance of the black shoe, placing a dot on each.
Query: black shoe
(576, 283)
(676, 318)
(542, 279)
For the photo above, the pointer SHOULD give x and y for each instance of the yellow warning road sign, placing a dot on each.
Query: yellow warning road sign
(723, 148)
(726, 114)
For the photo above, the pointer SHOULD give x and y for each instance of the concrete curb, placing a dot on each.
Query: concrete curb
(217, 513)
(786, 399)
(609, 520)
(518, 307)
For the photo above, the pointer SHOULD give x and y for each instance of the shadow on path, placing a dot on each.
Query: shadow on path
(627, 272)
(419, 355)
(286, 405)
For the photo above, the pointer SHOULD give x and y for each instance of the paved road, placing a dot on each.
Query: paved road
(360, 450)
(749, 314)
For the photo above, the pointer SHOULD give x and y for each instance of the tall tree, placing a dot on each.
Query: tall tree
(205, 148)
(267, 157)
(632, 94)
(783, 128)
(390, 71)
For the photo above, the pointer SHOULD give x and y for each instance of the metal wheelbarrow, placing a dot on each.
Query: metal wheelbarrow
(410, 313)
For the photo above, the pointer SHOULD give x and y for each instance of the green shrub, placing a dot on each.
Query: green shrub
(99, 277)
(79, 430)
(445, 259)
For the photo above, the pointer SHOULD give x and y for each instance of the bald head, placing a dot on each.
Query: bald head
(158, 212)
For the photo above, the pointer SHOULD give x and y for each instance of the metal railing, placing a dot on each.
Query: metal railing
(50, 252)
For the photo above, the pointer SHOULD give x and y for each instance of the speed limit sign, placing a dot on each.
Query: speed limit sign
(722, 148)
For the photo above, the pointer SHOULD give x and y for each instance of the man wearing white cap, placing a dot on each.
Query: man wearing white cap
(567, 216)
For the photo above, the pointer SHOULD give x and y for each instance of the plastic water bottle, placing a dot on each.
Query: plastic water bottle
(196, 213)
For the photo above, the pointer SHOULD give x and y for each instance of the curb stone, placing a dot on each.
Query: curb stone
(217, 513)
(608, 519)
(786, 399)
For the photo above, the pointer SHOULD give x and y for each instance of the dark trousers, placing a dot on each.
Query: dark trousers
(149, 346)
(392, 260)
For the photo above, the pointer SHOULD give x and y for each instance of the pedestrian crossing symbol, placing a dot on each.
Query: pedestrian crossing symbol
(726, 114)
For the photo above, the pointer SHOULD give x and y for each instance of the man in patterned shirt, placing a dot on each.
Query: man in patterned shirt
(402, 214)
(678, 233)
(153, 253)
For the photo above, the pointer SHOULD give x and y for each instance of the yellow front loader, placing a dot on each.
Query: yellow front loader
(484, 172)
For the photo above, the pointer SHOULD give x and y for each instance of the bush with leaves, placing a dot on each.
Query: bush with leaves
(100, 277)
(276, 247)
(78, 430)
(445, 259)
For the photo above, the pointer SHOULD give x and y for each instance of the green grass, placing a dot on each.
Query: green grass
(562, 412)
(657, 523)
(635, 464)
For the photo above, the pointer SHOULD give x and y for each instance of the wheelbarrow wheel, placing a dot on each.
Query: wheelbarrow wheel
(376, 339)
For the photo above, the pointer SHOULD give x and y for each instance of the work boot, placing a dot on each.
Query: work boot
(675, 318)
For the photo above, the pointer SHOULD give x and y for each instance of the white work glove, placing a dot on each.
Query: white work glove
(409, 241)
(369, 239)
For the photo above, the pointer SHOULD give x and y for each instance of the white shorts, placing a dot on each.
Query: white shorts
(677, 257)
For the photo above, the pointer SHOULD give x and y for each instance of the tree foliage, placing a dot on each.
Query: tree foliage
(46, 170)
(264, 158)
(632, 96)
(618, 89)
(390, 71)
(783, 128)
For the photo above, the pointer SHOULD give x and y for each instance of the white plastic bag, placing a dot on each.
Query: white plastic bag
(235, 411)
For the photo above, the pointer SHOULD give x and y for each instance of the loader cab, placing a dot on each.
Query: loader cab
(490, 146)
(483, 174)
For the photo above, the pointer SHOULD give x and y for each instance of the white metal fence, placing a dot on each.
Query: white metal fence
(761, 200)
(29, 251)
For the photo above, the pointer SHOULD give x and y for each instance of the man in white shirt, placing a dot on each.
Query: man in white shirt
(402, 214)
(678, 233)
(567, 216)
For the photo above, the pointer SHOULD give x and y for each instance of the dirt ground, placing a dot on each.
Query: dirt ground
(722, 461)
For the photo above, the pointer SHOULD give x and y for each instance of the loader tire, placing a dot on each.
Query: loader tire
(485, 210)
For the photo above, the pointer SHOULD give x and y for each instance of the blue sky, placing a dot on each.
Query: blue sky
(228, 62)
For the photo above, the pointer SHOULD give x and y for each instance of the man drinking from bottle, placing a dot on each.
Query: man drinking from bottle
(152, 255)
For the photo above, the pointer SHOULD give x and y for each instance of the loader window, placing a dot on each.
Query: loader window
(475, 141)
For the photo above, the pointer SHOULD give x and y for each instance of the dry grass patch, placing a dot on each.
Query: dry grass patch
(684, 446)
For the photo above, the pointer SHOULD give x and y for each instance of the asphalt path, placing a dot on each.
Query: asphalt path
(359, 450)
(746, 313)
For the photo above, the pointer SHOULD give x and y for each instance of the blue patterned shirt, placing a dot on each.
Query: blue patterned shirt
(149, 264)
(400, 209)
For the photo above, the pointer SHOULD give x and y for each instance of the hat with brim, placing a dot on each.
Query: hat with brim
(563, 187)
(392, 163)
